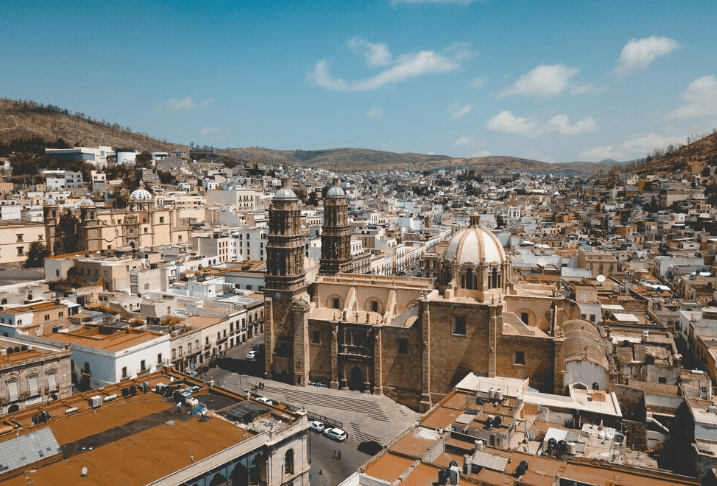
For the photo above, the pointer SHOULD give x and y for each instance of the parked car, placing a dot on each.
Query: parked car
(336, 434)
(251, 355)
(317, 426)
(257, 346)
(264, 400)
(192, 373)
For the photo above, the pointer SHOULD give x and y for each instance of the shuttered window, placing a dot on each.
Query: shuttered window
(33, 385)
(12, 390)
(51, 383)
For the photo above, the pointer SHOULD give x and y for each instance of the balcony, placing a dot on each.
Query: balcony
(351, 350)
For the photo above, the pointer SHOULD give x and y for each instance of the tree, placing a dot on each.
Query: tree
(499, 221)
(36, 255)
(143, 159)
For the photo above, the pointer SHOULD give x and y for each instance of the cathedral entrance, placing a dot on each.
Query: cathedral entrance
(356, 382)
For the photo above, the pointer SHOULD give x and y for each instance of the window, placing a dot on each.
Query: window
(337, 303)
(524, 316)
(174, 354)
(519, 358)
(289, 462)
(459, 326)
(161, 219)
(57, 273)
(20, 251)
(12, 390)
(662, 380)
(20, 238)
(47, 317)
(32, 381)
(124, 372)
(189, 348)
(374, 306)
(61, 314)
(159, 358)
(142, 366)
(403, 346)
(51, 382)
(316, 337)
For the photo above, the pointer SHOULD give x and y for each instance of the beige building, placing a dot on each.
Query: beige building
(15, 239)
(32, 374)
(406, 337)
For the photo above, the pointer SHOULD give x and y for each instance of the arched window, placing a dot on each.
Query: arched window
(495, 278)
(289, 462)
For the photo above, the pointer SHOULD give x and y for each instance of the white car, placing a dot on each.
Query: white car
(317, 426)
(336, 434)
(251, 355)
(264, 400)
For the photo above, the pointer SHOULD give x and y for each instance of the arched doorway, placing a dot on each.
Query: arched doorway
(356, 382)
(240, 476)
(218, 480)
(13, 408)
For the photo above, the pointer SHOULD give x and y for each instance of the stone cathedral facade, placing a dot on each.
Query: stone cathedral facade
(409, 338)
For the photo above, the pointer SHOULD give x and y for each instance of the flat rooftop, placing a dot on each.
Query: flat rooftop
(93, 337)
(138, 438)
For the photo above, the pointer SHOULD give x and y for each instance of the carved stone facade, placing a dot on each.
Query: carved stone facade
(31, 374)
(335, 233)
(407, 337)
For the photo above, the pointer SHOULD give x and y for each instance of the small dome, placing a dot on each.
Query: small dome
(475, 245)
(140, 195)
(335, 190)
(285, 193)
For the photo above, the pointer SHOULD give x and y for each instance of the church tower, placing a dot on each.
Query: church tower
(286, 307)
(335, 233)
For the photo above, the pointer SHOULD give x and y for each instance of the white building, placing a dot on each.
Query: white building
(60, 180)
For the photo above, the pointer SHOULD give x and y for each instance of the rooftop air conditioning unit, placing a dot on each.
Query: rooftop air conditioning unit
(96, 401)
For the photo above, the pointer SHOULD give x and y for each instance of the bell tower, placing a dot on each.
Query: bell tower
(335, 233)
(286, 307)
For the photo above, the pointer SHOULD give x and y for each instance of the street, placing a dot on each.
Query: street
(235, 372)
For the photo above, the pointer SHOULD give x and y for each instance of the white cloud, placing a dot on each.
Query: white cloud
(187, 104)
(479, 82)
(586, 88)
(631, 148)
(402, 68)
(375, 112)
(458, 111)
(375, 54)
(506, 122)
(543, 81)
(206, 131)
(640, 53)
(560, 124)
(701, 98)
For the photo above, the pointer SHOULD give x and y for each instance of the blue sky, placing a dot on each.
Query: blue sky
(557, 81)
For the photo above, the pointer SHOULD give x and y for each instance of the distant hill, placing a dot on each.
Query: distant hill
(672, 159)
(25, 120)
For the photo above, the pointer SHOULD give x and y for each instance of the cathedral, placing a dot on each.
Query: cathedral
(409, 338)
(92, 228)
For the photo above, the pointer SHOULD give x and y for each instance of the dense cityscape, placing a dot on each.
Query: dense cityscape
(487, 326)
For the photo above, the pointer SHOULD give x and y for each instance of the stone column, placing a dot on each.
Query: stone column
(426, 402)
(335, 355)
(377, 362)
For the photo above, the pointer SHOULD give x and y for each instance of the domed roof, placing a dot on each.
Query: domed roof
(87, 202)
(285, 193)
(335, 190)
(475, 245)
(140, 194)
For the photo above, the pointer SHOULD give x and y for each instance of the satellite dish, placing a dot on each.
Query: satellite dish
(84, 472)
(600, 278)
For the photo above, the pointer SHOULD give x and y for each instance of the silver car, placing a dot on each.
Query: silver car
(336, 434)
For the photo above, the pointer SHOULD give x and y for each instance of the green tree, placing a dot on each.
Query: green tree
(36, 255)
(143, 159)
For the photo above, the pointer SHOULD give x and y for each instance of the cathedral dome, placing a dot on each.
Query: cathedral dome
(285, 193)
(140, 194)
(335, 190)
(475, 245)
